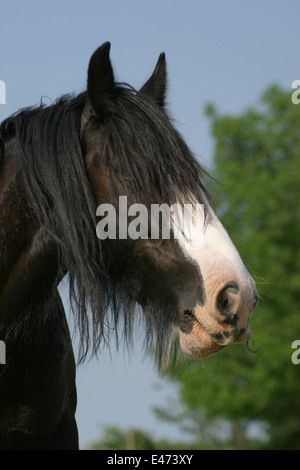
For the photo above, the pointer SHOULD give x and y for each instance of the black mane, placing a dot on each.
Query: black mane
(139, 140)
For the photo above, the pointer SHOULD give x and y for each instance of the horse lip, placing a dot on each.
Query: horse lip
(200, 327)
(223, 338)
(201, 344)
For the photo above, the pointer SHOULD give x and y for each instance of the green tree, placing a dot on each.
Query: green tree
(257, 163)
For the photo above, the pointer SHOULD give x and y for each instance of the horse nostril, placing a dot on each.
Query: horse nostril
(225, 301)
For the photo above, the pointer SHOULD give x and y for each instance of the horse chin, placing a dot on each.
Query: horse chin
(198, 343)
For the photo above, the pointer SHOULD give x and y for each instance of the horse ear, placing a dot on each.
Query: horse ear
(100, 84)
(155, 87)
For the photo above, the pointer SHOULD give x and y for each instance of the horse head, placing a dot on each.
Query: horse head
(194, 288)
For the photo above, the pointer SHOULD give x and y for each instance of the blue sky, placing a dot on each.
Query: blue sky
(224, 52)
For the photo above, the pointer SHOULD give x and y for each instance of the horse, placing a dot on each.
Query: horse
(58, 165)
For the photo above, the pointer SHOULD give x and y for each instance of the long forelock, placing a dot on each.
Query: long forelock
(140, 141)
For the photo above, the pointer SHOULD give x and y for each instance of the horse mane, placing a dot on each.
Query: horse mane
(157, 165)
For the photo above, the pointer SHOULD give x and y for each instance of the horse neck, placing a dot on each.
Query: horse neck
(29, 262)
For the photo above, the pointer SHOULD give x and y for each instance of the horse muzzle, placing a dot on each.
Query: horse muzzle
(222, 320)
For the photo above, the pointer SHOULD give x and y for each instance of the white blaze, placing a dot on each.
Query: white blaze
(211, 247)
